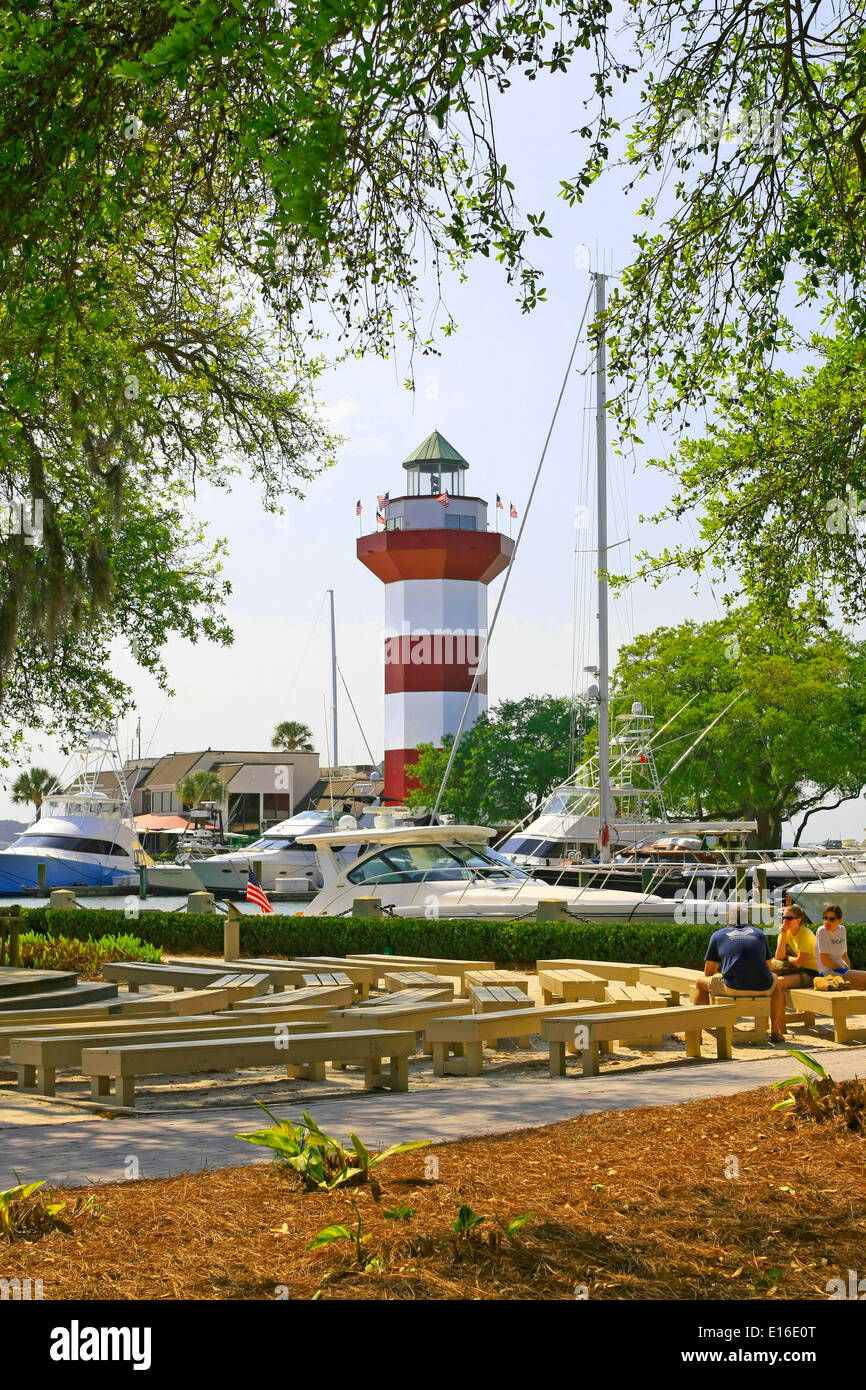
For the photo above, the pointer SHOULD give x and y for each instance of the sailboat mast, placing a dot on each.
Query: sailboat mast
(604, 798)
(334, 679)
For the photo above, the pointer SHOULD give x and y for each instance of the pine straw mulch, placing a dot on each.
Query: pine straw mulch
(631, 1204)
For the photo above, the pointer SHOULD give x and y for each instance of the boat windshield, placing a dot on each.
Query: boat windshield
(539, 849)
(569, 802)
(432, 863)
(268, 843)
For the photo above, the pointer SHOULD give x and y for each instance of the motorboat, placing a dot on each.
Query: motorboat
(451, 871)
(84, 836)
(286, 865)
(847, 890)
(195, 875)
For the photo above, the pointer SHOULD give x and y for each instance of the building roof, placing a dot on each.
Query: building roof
(436, 449)
(166, 772)
(169, 770)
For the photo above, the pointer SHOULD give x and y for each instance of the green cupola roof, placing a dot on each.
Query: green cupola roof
(436, 450)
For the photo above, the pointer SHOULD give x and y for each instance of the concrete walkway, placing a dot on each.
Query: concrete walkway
(95, 1151)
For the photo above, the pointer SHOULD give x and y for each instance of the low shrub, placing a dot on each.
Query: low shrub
(42, 951)
(507, 943)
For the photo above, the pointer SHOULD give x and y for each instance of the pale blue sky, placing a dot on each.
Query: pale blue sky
(491, 393)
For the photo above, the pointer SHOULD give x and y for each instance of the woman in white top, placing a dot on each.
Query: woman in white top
(831, 948)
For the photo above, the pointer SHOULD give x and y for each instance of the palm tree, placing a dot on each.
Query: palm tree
(293, 737)
(201, 786)
(34, 786)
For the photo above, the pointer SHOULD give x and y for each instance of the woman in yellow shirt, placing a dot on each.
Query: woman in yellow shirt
(794, 963)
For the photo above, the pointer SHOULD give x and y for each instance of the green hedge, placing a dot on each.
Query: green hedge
(508, 943)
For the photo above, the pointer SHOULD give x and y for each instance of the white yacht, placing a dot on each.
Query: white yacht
(285, 863)
(847, 890)
(188, 878)
(84, 836)
(450, 871)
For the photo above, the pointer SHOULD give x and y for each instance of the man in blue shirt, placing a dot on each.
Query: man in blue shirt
(736, 964)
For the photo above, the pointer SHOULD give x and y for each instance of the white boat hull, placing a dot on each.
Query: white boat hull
(847, 891)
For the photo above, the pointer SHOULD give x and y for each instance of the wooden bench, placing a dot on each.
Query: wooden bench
(569, 983)
(605, 969)
(123, 1065)
(753, 1006)
(416, 979)
(158, 1023)
(282, 1013)
(333, 995)
(244, 984)
(363, 976)
(618, 999)
(457, 1041)
(509, 978)
(38, 1058)
(676, 979)
(590, 1032)
(455, 968)
(319, 978)
(134, 973)
(417, 1016)
(407, 998)
(488, 998)
(837, 1006)
(186, 1004)
(289, 973)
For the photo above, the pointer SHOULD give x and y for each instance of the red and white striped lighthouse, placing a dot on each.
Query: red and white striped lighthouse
(435, 558)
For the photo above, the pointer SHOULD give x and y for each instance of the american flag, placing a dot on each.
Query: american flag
(444, 499)
(256, 894)
(383, 498)
(513, 511)
(498, 502)
(358, 508)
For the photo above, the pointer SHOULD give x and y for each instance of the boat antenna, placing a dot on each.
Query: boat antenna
(482, 662)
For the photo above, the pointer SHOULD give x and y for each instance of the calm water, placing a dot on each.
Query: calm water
(133, 904)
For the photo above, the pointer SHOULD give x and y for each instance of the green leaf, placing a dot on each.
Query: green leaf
(806, 1060)
(399, 1149)
(518, 1221)
(330, 1233)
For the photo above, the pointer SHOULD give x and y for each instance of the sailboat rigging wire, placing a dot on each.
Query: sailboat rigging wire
(482, 664)
(660, 731)
(355, 712)
(300, 665)
(702, 736)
